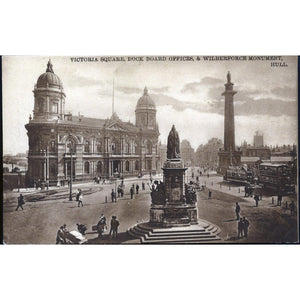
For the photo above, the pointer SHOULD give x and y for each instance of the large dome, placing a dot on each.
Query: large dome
(145, 101)
(49, 79)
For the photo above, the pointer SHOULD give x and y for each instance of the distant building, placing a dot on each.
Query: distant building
(162, 148)
(187, 153)
(207, 155)
(258, 140)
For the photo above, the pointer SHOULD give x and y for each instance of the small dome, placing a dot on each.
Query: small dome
(49, 79)
(145, 101)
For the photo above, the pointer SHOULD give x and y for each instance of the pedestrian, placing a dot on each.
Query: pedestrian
(237, 211)
(279, 199)
(101, 225)
(133, 187)
(293, 208)
(246, 226)
(114, 224)
(79, 198)
(256, 198)
(209, 194)
(137, 188)
(60, 236)
(143, 185)
(131, 193)
(240, 228)
(112, 194)
(119, 191)
(20, 202)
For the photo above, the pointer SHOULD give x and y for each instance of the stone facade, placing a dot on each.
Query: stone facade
(96, 147)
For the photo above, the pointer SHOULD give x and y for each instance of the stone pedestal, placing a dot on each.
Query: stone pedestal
(170, 206)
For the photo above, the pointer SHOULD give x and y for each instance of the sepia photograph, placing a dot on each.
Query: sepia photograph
(150, 150)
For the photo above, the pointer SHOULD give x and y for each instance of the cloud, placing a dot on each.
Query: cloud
(128, 90)
(79, 80)
(163, 89)
(285, 92)
(205, 81)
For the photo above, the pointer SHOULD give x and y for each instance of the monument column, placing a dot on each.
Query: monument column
(229, 133)
(229, 156)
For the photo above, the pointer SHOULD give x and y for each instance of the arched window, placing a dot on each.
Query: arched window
(127, 166)
(135, 149)
(55, 108)
(113, 148)
(87, 147)
(137, 165)
(127, 147)
(52, 146)
(149, 147)
(70, 146)
(99, 167)
(99, 147)
(87, 167)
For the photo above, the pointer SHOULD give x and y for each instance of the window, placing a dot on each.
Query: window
(99, 147)
(52, 146)
(137, 165)
(55, 108)
(127, 166)
(149, 148)
(99, 167)
(70, 147)
(87, 167)
(87, 147)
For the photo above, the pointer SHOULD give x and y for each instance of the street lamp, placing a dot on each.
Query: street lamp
(71, 169)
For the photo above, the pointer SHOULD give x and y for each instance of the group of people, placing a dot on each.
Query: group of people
(243, 223)
(134, 189)
(61, 234)
(101, 226)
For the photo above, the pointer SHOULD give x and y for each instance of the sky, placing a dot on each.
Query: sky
(186, 93)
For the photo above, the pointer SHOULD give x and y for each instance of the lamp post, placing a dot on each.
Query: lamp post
(71, 169)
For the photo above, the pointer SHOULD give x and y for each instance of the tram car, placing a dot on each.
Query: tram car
(277, 177)
(239, 175)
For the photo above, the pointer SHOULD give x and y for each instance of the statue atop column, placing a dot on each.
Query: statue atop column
(228, 77)
(173, 150)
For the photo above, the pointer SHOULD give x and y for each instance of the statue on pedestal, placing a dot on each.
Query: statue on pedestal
(173, 150)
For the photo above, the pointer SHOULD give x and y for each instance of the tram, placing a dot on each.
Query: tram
(277, 177)
(239, 175)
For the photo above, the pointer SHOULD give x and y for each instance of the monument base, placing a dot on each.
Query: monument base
(173, 215)
(149, 233)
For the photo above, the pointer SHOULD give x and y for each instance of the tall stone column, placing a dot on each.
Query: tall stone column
(229, 132)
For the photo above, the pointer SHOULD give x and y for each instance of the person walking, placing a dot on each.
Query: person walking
(112, 194)
(143, 185)
(240, 229)
(209, 194)
(256, 198)
(131, 193)
(79, 198)
(237, 210)
(114, 224)
(246, 226)
(137, 188)
(20, 202)
(279, 199)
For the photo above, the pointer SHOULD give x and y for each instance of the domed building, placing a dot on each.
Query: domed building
(61, 144)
